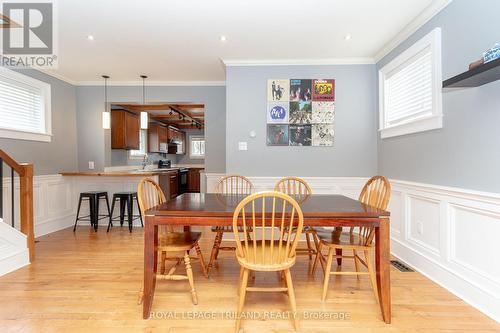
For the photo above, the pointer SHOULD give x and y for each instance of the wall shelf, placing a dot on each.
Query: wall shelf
(476, 77)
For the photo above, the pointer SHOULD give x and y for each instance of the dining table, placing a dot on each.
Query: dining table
(209, 209)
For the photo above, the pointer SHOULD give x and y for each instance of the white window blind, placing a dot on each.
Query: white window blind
(197, 147)
(408, 90)
(24, 107)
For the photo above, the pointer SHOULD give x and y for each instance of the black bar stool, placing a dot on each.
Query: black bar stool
(126, 201)
(93, 197)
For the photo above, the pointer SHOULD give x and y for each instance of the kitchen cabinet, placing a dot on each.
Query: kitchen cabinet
(125, 130)
(168, 182)
(157, 138)
(177, 141)
(194, 179)
(174, 184)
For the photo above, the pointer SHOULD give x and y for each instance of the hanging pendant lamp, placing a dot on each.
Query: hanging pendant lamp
(106, 114)
(144, 114)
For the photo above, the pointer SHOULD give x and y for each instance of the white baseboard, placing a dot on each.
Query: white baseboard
(13, 260)
(442, 232)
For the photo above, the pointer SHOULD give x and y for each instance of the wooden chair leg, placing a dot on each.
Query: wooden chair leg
(189, 273)
(327, 273)
(239, 279)
(241, 302)
(373, 278)
(309, 248)
(162, 262)
(356, 264)
(316, 259)
(214, 251)
(221, 235)
(202, 260)
(291, 296)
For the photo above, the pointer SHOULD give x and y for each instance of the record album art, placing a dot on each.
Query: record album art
(277, 135)
(323, 90)
(300, 135)
(300, 112)
(300, 90)
(278, 90)
(322, 134)
(277, 113)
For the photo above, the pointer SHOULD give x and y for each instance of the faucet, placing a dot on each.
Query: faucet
(144, 161)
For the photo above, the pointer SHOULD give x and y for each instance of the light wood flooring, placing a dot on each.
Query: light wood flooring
(89, 282)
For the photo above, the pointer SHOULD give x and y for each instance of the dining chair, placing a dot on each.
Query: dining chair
(234, 185)
(300, 190)
(375, 193)
(149, 195)
(275, 221)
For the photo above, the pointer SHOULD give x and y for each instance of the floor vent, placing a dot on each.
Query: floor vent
(401, 266)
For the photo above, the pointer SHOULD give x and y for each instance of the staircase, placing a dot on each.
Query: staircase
(16, 246)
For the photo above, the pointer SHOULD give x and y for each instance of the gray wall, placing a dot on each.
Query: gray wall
(465, 152)
(61, 153)
(354, 152)
(184, 159)
(94, 142)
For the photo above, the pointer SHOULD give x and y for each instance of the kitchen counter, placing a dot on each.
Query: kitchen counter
(125, 173)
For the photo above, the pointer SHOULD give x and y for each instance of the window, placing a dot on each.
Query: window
(142, 146)
(24, 107)
(196, 147)
(410, 89)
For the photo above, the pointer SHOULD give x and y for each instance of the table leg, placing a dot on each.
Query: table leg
(382, 259)
(149, 266)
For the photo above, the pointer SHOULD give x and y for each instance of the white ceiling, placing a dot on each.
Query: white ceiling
(180, 40)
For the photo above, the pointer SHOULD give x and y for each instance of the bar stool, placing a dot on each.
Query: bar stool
(126, 201)
(93, 197)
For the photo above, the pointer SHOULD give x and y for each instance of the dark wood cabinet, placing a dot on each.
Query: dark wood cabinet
(194, 179)
(125, 130)
(157, 138)
(174, 185)
(177, 141)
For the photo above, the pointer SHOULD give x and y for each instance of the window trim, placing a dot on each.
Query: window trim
(416, 125)
(195, 157)
(46, 91)
(140, 156)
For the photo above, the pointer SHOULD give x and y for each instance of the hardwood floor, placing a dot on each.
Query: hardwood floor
(88, 282)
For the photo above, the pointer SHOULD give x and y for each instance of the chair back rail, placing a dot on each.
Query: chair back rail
(275, 222)
(296, 187)
(25, 173)
(375, 193)
(150, 194)
(234, 184)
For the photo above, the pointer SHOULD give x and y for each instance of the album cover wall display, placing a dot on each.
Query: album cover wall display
(300, 112)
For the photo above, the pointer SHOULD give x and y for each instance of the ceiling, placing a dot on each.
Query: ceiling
(179, 41)
(181, 115)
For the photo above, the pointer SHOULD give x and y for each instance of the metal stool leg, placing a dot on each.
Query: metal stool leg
(110, 224)
(122, 211)
(78, 212)
(96, 212)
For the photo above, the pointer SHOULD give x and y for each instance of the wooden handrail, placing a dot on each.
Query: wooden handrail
(25, 172)
(13, 164)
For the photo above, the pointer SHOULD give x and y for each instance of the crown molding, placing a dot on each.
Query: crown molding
(429, 12)
(298, 62)
(55, 75)
(156, 83)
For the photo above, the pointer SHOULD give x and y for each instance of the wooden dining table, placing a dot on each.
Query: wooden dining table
(203, 209)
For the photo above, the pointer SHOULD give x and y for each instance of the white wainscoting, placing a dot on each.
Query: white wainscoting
(448, 234)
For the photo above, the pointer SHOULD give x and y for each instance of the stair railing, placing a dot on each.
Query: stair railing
(25, 173)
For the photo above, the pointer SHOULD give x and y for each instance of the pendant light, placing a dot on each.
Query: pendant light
(106, 114)
(144, 114)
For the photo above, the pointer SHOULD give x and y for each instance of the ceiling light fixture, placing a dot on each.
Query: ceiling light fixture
(223, 38)
(348, 37)
(106, 115)
(144, 114)
(90, 37)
